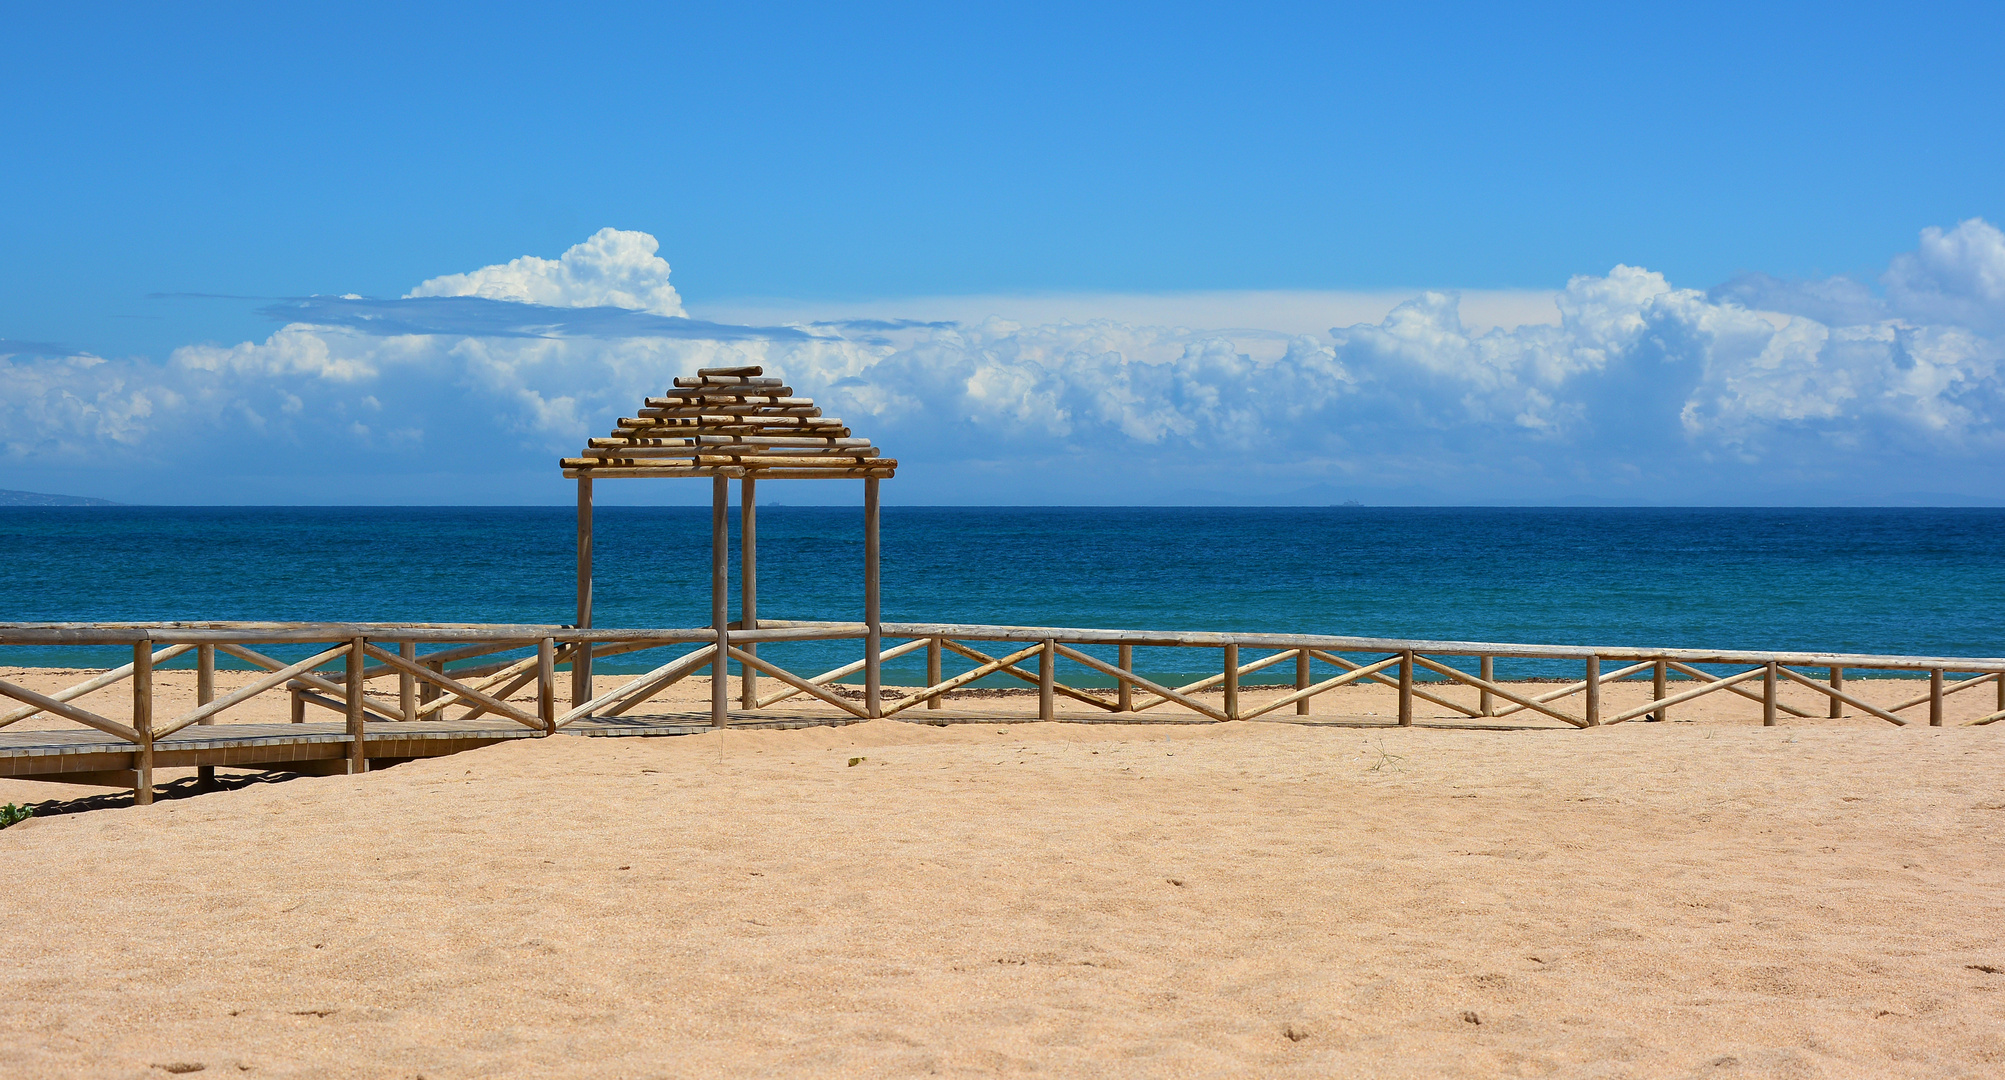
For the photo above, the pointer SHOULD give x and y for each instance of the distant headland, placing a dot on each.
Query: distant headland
(30, 498)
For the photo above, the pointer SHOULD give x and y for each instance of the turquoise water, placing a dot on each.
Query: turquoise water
(1853, 580)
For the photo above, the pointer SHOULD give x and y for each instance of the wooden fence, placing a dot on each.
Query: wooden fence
(425, 690)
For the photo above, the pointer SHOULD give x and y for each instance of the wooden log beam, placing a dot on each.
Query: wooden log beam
(358, 721)
(734, 453)
(142, 722)
(1212, 680)
(109, 678)
(1486, 670)
(1497, 689)
(1302, 659)
(248, 691)
(581, 657)
(727, 441)
(792, 679)
(940, 688)
(546, 684)
(1571, 689)
(933, 673)
(1687, 669)
(1307, 692)
(507, 674)
(733, 472)
(407, 687)
(1406, 659)
(850, 668)
(205, 692)
(1231, 674)
(43, 703)
(1711, 685)
(720, 601)
(1128, 676)
(1030, 677)
(748, 585)
(1047, 677)
(1332, 658)
(1832, 691)
(456, 688)
(652, 682)
(873, 615)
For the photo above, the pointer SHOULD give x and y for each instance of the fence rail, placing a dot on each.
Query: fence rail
(366, 652)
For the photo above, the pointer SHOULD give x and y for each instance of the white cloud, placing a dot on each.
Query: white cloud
(1955, 277)
(1632, 387)
(612, 269)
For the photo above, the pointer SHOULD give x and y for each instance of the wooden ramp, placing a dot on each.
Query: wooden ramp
(93, 757)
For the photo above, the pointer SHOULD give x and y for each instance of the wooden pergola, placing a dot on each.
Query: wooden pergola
(725, 424)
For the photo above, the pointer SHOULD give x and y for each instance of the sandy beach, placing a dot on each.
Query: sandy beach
(1703, 898)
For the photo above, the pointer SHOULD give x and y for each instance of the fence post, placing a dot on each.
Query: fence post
(1768, 695)
(429, 691)
(142, 722)
(933, 676)
(1594, 691)
(1935, 697)
(1837, 683)
(1232, 682)
(205, 692)
(1302, 680)
(546, 684)
(1999, 679)
(1406, 688)
(1125, 692)
(407, 683)
(1659, 674)
(1047, 663)
(1486, 669)
(358, 752)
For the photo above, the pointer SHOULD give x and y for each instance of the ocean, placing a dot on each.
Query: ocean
(1915, 581)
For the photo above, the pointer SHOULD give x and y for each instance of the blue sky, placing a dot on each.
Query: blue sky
(1243, 196)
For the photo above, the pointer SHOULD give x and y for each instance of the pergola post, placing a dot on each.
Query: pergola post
(581, 651)
(720, 600)
(873, 633)
(748, 588)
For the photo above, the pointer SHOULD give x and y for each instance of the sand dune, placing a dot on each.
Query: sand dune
(1821, 899)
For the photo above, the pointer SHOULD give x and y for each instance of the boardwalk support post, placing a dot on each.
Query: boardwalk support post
(205, 692)
(546, 684)
(142, 722)
(358, 751)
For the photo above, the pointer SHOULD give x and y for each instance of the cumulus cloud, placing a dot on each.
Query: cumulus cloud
(1635, 388)
(612, 269)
